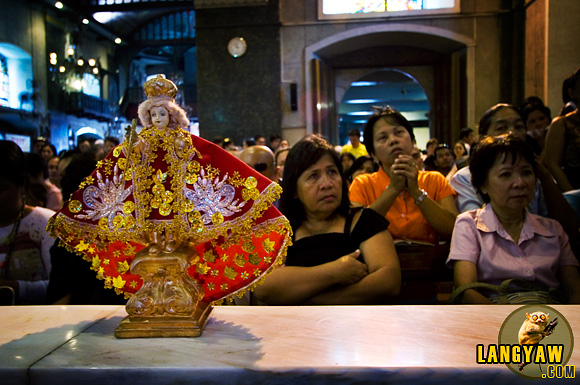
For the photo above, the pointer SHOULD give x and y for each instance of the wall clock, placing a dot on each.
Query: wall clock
(237, 46)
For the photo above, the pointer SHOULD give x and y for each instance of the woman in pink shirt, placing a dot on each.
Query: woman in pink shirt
(503, 240)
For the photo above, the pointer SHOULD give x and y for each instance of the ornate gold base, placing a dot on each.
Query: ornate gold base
(165, 326)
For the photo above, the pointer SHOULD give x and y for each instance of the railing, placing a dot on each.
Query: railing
(77, 103)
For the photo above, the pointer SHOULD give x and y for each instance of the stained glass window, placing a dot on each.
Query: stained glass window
(4, 83)
(374, 8)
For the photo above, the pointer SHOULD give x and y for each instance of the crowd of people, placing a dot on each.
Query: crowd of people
(502, 199)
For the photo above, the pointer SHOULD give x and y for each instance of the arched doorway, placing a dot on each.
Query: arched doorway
(441, 60)
(391, 87)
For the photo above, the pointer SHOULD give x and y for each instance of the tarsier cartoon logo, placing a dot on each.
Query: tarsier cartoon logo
(534, 329)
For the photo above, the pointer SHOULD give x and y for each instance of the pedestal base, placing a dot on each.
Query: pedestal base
(165, 326)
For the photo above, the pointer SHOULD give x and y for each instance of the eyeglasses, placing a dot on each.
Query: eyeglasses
(260, 166)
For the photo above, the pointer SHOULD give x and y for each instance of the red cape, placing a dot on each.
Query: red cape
(179, 183)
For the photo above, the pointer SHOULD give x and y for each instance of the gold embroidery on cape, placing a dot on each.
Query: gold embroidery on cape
(134, 217)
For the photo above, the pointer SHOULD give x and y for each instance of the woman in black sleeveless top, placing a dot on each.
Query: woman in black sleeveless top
(337, 256)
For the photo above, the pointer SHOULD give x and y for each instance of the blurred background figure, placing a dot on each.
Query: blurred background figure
(229, 145)
(444, 159)
(467, 137)
(461, 158)
(260, 140)
(248, 142)
(84, 145)
(418, 157)
(459, 149)
(429, 160)
(355, 146)
(346, 160)
(537, 118)
(261, 159)
(71, 281)
(362, 165)
(275, 141)
(38, 143)
(53, 174)
(284, 144)
(568, 86)
(280, 160)
(48, 151)
(41, 192)
(563, 143)
(110, 143)
(24, 242)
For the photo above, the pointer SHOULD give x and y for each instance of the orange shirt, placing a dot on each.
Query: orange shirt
(405, 218)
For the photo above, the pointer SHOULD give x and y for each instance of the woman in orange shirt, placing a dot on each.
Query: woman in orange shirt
(418, 204)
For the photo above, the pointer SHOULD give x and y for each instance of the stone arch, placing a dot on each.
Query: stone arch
(420, 36)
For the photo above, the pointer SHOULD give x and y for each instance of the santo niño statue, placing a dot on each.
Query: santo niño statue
(174, 215)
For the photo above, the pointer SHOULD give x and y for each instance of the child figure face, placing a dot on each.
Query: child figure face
(159, 117)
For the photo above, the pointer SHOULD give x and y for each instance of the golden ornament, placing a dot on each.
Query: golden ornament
(75, 206)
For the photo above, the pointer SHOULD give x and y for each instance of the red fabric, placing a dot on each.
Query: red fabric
(238, 252)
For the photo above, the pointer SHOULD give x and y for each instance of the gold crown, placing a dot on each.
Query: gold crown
(160, 86)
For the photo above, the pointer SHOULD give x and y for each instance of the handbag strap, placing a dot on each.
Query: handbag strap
(503, 289)
(458, 292)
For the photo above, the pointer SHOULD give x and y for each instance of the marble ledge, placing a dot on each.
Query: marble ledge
(367, 344)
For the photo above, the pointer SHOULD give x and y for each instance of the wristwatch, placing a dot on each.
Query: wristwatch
(421, 197)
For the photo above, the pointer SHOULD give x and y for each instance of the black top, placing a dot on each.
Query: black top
(323, 248)
(71, 273)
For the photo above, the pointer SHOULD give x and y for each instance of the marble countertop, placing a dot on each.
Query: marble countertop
(253, 344)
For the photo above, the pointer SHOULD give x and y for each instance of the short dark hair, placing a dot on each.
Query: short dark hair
(354, 132)
(570, 83)
(278, 152)
(348, 155)
(112, 139)
(81, 166)
(528, 108)
(462, 144)
(301, 156)
(35, 165)
(488, 150)
(13, 163)
(465, 132)
(390, 115)
(51, 146)
(359, 163)
(485, 121)
(432, 141)
(442, 146)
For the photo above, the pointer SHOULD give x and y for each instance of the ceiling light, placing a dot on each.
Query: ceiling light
(360, 113)
(59, 5)
(105, 17)
(362, 101)
(363, 84)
